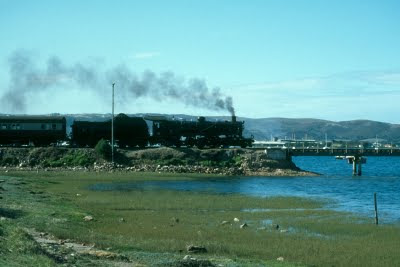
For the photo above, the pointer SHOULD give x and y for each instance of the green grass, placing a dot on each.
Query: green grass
(18, 249)
(57, 202)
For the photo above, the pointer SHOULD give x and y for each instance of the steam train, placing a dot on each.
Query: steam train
(128, 132)
(38, 130)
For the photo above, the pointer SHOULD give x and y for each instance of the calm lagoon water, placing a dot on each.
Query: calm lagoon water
(355, 194)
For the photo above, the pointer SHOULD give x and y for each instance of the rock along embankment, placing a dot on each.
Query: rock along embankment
(232, 162)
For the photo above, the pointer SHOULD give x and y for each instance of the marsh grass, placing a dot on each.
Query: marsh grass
(18, 249)
(162, 221)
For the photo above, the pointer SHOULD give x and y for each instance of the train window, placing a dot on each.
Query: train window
(4, 127)
(13, 127)
(43, 126)
(18, 127)
(54, 126)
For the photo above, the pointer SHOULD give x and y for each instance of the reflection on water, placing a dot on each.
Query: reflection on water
(355, 194)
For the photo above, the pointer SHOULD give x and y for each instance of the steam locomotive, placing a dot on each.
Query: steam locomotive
(200, 133)
(128, 131)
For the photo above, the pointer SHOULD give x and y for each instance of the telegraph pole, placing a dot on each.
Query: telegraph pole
(112, 127)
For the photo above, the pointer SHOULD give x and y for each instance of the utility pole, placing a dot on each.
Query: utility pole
(112, 127)
(326, 140)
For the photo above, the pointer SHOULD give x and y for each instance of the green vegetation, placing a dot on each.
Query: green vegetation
(47, 157)
(187, 156)
(103, 149)
(155, 226)
(230, 162)
(9, 161)
(70, 159)
(182, 156)
(17, 248)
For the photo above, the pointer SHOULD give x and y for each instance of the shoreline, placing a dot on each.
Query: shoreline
(226, 162)
(166, 169)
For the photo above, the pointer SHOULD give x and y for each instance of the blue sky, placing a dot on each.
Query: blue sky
(336, 60)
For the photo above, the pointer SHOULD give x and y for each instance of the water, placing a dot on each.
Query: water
(348, 193)
(329, 166)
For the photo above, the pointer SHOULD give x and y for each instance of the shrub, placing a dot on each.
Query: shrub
(77, 158)
(103, 149)
(237, 160)
(72, 158)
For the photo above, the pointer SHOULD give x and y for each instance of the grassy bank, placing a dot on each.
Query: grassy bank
(154, 227)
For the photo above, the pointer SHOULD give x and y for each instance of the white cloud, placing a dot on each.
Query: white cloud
(352, 83)
(146, 55)
(369, 95)
(389, 78)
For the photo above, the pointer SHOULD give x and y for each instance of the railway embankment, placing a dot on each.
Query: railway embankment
(231, 162)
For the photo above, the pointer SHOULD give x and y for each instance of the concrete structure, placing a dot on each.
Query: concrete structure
(357, 161)
(276, 153)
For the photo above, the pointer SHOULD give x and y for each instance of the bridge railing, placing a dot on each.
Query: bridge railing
(345, 151)
(316, 151)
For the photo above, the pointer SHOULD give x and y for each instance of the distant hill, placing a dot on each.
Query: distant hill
(315, 129)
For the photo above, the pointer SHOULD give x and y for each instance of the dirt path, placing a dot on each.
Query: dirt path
(68, 252)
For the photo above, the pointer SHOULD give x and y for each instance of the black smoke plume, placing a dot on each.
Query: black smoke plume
(27, 79)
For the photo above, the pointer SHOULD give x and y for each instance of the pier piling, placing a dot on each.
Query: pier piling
(376, 209)
(359, 166)
(356, 160)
